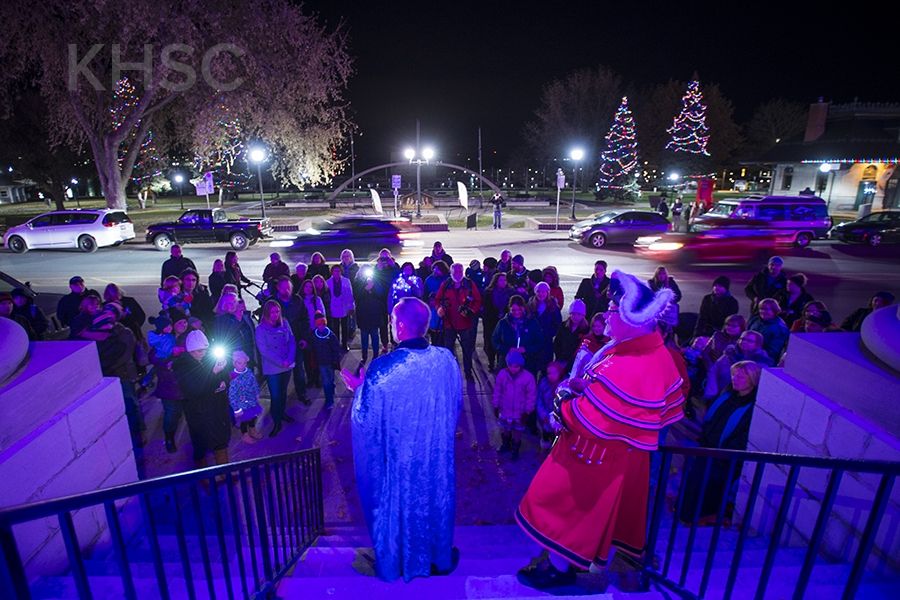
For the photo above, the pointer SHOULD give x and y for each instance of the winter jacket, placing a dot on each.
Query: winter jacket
(763, 285)
(498, 302)
(595, 295)
(525, 334)
(294, 312)
(370, 307)
(405, 287)
(327, 349)
(341, 304)
(713, 312)
(775, 335)
(461, 305)
(36, 318)
(549, 321)
(670, 283)
(276, 270)
(68, 307)
(167, 387)
(792, 311)
(277, 347)
(567, 342)
(175, 266)
(202, 305)
(546, 396)
(515, 395)
(716, 346)
(313, 304)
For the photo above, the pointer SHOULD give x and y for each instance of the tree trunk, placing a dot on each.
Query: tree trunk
(111, 182)
(58, 194)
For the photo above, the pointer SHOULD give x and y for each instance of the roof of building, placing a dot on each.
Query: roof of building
(854, 132)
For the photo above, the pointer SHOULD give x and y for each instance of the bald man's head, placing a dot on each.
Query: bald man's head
(411, 319)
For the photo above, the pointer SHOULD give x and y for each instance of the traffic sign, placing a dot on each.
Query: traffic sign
(395, 182)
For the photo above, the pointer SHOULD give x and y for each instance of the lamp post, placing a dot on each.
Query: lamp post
(179, 179)
(828, 168)
(258, 156)
(414, 156)
(75, 192)
(576, 155)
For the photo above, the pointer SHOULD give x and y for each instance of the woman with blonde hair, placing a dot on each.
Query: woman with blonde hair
(726, 425)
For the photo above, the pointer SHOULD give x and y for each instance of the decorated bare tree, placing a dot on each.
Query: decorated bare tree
(276, 68)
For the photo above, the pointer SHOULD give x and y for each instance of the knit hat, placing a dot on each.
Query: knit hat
(515, 358)
(578, 306)
(320, 319)
(176, 314)
(518, 258)
(196, 340)
(542, 285)
(722, 281)
(239, 355)
(160, 322)
(103, 321)
(638, 304)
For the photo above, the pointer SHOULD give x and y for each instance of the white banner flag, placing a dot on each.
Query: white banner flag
(463, 195)
(376, 201)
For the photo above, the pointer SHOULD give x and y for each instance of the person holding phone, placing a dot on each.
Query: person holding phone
(203, 377)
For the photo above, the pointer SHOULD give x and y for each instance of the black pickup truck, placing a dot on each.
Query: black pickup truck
(209, 225)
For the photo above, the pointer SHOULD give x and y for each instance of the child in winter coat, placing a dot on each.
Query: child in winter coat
(161, 339)
(171, 296)
(546, 395)
(243, 396)
(515, 396)
(327, 350)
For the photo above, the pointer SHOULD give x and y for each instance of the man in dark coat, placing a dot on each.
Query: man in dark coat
(69, 304)
(768, 283)
(175, 265)
(28, 310)
(275, 269)
(293, 310)
(854, 321)
(716, 307)
(595, 290)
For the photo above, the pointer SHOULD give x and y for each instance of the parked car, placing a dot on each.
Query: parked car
(882, 227)
(727, 244)
(84, 229)
(365, 237)
(617, 227)
(209, 225)
(46, 301)
(796, 220)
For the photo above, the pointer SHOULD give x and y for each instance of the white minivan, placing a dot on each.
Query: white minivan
(85, 230)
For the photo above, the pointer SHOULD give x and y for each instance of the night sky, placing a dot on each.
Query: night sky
(458, 65)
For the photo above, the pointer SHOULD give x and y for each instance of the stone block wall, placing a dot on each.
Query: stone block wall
(793, 416)
(68, 435)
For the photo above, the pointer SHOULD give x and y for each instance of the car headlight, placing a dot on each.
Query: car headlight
(665, 246)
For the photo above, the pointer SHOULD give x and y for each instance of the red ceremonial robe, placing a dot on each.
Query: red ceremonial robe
(591, 491)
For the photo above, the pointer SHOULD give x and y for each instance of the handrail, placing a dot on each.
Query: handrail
(269, 510)
(714, 493)
(49, 508)
(820, 462)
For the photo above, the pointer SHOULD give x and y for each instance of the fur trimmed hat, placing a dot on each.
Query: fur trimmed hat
(638, 304)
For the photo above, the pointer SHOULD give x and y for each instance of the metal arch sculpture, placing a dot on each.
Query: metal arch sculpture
(334, 195)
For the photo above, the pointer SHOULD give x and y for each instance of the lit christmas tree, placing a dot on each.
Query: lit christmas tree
(689, 131)
(149, 163)
(222, 147)
(621, 156)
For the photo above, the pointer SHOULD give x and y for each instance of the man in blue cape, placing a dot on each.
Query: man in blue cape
(403, 423)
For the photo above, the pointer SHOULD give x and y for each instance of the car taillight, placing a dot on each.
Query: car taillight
(107, 224)
(259, 226)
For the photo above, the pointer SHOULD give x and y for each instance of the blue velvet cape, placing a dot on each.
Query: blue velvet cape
(404, 425)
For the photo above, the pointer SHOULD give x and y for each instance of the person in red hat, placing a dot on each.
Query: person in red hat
(590, 494)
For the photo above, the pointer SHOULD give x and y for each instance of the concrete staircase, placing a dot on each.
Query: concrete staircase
(339, 566)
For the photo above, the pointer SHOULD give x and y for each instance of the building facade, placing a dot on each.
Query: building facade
(848, 156)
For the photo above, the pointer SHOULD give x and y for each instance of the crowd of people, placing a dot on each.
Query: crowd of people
(309, 314)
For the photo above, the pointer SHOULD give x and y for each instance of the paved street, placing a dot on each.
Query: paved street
(843, 276)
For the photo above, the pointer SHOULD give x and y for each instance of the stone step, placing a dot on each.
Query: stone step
(111, 588)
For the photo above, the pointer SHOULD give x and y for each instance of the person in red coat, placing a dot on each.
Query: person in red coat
(590, 494)
(459, 304)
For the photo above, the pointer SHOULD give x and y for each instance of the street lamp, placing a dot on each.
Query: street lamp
(258, 155)
(576, 155)
(410, 154)
(75, 192)
(179, 179)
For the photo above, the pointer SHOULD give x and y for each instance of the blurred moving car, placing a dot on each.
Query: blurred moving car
(731, 244)
(46, 301)
(617, 227)
(364, 236)
(796, 220)
(85, 229)
(882, 227)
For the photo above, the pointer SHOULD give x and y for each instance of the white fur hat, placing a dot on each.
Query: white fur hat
(196, 340)
(638, 304)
